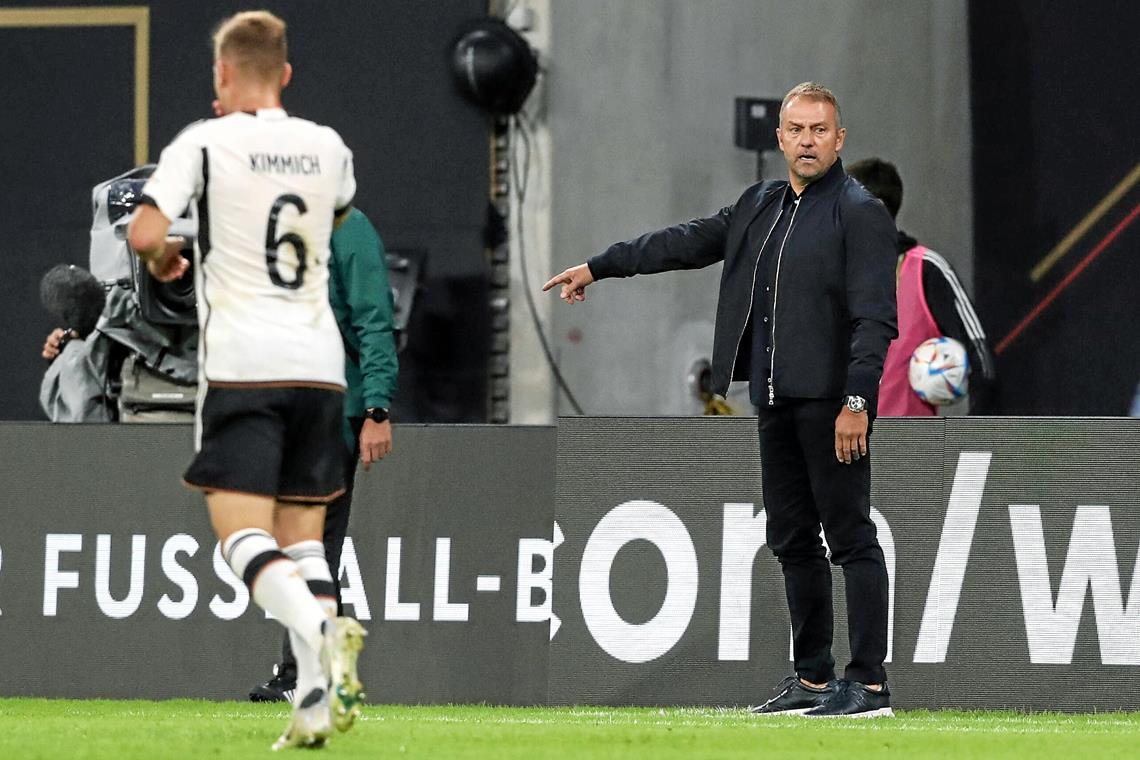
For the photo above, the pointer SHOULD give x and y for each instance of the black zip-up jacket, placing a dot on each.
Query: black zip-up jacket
(835, 310)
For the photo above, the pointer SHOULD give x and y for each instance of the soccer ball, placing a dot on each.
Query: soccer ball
(939, 371)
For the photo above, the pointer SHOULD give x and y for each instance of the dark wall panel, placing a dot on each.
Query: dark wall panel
(1054, 115)
(1010, 544)
(72, 129)
(189, 632)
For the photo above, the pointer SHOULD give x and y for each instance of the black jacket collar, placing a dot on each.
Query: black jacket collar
(830, 180)
(781, 190)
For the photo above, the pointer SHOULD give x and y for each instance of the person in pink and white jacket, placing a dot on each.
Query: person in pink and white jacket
(931, 303)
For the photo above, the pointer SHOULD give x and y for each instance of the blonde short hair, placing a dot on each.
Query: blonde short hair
(812, 91)
(254, 42)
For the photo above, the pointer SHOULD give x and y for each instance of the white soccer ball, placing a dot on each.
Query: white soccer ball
(939, 371)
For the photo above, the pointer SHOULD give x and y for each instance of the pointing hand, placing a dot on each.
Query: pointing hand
(573, 281)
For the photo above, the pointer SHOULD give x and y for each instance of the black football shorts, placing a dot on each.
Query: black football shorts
(271, 439)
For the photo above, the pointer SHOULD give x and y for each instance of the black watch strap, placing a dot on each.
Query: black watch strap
(376, 414)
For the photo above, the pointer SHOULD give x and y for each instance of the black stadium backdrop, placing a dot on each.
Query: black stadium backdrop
(379, 72)
(1054, 126)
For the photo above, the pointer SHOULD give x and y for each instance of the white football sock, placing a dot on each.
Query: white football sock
(314, 568)
(275, 583)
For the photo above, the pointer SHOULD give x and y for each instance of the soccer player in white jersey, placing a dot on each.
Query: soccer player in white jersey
(268, 187)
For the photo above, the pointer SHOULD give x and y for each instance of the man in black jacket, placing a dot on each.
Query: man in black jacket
(806, 312)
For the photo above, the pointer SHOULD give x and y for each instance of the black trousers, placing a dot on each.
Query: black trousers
(806, 487)
(336, 528)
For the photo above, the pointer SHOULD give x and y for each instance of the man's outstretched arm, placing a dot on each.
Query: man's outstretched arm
(691, 245)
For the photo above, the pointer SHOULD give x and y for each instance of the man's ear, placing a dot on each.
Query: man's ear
(286, 75)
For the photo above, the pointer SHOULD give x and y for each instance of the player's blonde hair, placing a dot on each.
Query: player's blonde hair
(254, 42)
(812, 91)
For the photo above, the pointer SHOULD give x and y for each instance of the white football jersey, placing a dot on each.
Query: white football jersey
(267, 188)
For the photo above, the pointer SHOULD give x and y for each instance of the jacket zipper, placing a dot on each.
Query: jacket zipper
(752, 297)
(775, 300)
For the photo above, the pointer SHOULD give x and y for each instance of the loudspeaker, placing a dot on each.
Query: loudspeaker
(493, 66)
(755, 123)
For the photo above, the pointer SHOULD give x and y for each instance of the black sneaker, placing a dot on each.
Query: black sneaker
(852, 699)
(793, 697)
(280, 688)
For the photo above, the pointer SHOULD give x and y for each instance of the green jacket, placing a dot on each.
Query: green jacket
(361, 300)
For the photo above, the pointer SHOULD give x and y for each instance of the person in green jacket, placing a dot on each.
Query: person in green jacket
(361, 300)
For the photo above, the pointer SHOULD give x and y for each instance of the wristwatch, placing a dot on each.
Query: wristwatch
(376, 414)
(855, 403)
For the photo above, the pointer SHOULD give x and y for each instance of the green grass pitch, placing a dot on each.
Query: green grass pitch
(124, 730)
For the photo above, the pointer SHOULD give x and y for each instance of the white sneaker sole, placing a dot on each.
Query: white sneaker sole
(304, 740)
(778, 713)
(882, 712)
(309, 727)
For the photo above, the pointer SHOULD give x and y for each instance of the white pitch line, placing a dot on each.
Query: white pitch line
(1067, 727)
(1082, 725)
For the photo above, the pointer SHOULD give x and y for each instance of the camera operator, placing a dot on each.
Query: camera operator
(110, 364)
(73, 388)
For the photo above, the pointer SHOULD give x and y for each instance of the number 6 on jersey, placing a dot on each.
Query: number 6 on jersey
(272, 243)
